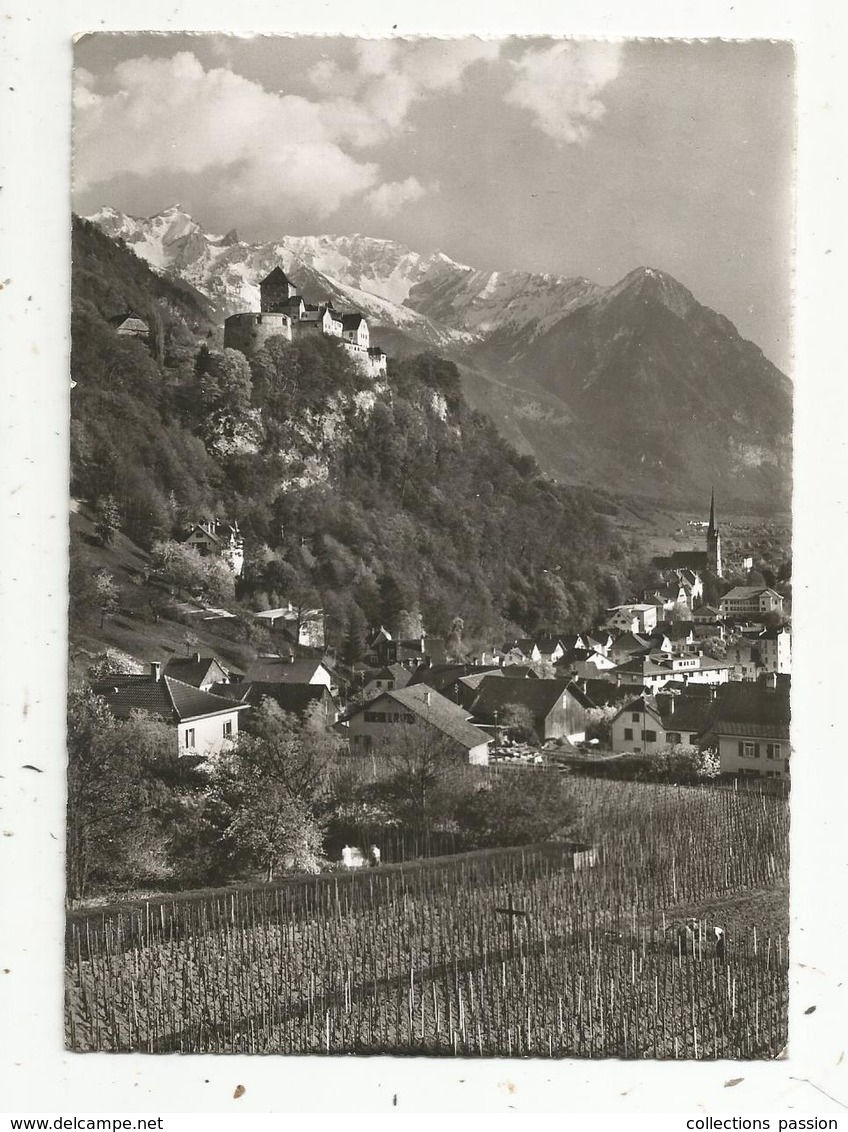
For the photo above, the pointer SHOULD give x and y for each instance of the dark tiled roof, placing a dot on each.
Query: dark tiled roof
(190, 670)
(297, 698)
(604, 692)
(168, 698)
(439, 712)
(631, 642)
(741, 593)
(439, 676)
(746, 702)
(275, 276)
(281, 670)
(352, 321)
(685, 713)
(539, 697)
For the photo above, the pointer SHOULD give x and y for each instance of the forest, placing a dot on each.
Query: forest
(383, 502)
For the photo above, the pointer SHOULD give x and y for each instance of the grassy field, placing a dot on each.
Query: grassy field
(498, 953)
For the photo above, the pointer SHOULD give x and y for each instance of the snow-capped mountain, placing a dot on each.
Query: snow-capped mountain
(432, 298)
(372, 276)
(636, 386)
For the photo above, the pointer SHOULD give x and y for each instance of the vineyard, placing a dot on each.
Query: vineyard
(520, 952)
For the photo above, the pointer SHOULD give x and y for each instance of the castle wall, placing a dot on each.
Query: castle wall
(249, 332)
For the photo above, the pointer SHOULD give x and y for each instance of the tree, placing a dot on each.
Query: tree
(519, 807)
(125, 784)
(714, 647)
(106, 593)
(421, 771)
(107, 519)
(517, 721)
(599, 721)
(353, 648)
(454, 648)
(271, 783)
(410, 624)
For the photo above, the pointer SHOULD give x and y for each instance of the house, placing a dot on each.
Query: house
(744, 655)
(385, 679)
(600, 640)
(199, 671)
(220, 538)
(304, 626)
(706, 615)
(649, 672)
(627, 645)
(654, 671)
(410, 652)
(523, 650)
(751, 728)
(676, 637)
(775, 647)
(203, 724)
(416, 715)
(646, 724)
(459, 682)
(355, 330)
(585, 663)
(129, 325)
(556, 708)
(751, 601)
(308, 701)
(288, 670)
(634, 618)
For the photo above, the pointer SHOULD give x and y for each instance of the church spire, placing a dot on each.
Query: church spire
(713, 541)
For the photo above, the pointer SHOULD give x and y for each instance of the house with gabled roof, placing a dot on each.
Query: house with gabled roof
(199, 671)
(750, 601)
(203, 723)
(385, 679)
(637, 617)
(415, 716)
(627, 645)
(647, 723)
(557, 708)
(307, 701)
(219, 538)
(288, 670)
(130, 325)
(751, 728)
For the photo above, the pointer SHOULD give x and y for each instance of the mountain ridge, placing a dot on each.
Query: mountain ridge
(655, 393)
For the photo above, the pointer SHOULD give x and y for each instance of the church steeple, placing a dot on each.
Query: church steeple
(713, 541)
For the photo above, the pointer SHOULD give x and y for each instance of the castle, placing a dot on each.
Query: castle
(284, 313)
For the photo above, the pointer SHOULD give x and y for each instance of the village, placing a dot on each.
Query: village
(663, 674)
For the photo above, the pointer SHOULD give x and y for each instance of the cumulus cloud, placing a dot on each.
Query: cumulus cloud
(172, 116)
(560, 86)
(390, 198)
(372, 96)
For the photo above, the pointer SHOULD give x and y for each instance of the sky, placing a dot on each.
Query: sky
(576, 157)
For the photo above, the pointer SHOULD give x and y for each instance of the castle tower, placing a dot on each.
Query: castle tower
(713, 542)
(275, 290)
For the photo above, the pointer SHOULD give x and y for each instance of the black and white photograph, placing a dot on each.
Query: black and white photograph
(422, 488)
(430, 585)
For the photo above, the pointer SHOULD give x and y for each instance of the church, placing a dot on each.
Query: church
(708, 559)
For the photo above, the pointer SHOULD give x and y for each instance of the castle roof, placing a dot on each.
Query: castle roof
(275, 276)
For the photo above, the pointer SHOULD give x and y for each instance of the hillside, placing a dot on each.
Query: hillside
(384, 501)
(635, 387)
